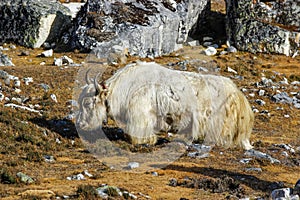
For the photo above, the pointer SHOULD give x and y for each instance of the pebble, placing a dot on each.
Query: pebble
(198, 155)
(282, 194)
(253, 169)
(245, 160)
(133, 165)
(231, 49)
(1, 97)
(53, 97)
(231, 70)
(261, 155)
(48, 53)
(286, 147)
(173, 182)
(285, 154)
(25, 178)
(49, 158)
(87, 173)
(28, 80)
(252, 95)
(154, 174)
(205, 39)
(260, 102)
(77, 177)
(210, 51)
(45, 86)
(261, 92)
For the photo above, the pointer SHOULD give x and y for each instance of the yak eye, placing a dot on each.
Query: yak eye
(88, 102)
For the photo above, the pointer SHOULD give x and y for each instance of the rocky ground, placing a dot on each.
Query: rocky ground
(42, 156)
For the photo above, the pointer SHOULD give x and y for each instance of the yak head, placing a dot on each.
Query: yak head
(92, 105)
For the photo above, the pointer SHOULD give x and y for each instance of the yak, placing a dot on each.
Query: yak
(145, 98)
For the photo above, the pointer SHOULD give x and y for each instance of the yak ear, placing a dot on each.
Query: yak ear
(100, 88)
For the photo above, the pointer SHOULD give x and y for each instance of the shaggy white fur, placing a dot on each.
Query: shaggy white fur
(145, 98)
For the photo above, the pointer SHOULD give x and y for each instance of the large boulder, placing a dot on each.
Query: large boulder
(264, 26)
(31, 23)
(144, 28)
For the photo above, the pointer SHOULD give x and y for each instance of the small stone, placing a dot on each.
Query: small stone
(45, 86)
(43, 63)
(12, 46)
(205, 39)
(53, 97)
(286, 116)
(255, 110)
(260, 102)
(87, 173)
(245, 160)
(207, 44)
(231, 70)
(173, 182)
(285, 154)
(252, 95)
(48, 53)
(244, 90)
(1, 97)
(231, 49)
(193, 43)
(261, 92)
(28, 80)
(253, 169)
(5, 60)
(210, 51)
(281, 193)
(17, 83)
(49, 158)
(133, 165)
(58, 62)
(24, 178)
(261, 155)
(154, 174)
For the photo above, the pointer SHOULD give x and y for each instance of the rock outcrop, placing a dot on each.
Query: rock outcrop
(264, 26)
(144, 28)
(31, 23)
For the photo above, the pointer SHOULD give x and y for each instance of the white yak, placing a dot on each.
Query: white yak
(146, 98)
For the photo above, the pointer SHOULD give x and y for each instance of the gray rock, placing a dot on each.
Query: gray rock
(253, 26)
(133, 165)
(48, 53)
(283, 194)
(31, 23)
(77, 177)
(210, 51)
(144, 28)
(261, 92)
(231, 49)
(260, 102)
(49, 158)
(253, 169)
(4, 59)
(245, 160)
(1, 97)
(24, 178)
(261, 155)
(173, 182)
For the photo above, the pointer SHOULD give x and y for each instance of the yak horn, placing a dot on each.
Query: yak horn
(87, 78)
(97, 85)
